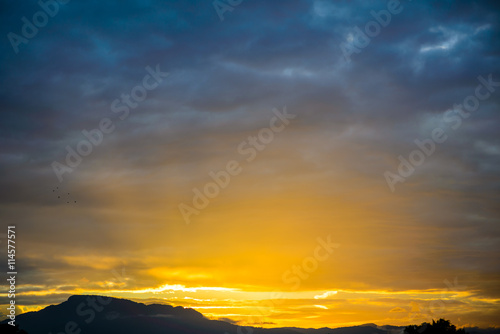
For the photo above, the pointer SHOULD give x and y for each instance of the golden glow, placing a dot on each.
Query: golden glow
(346, 307)
(252, 255)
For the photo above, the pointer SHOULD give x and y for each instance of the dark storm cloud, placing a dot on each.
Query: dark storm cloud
(65, 78)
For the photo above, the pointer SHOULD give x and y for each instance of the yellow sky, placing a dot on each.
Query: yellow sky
(334, 251)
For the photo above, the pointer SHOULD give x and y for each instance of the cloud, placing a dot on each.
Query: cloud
(234, 322)
(325, 295)
(398, 310)
(322, 175)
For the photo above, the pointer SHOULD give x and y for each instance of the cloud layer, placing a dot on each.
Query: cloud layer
(322, 175)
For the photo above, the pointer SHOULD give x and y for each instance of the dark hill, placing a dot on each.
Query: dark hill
(102, 315)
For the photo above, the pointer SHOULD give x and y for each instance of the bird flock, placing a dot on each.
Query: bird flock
(63, 196)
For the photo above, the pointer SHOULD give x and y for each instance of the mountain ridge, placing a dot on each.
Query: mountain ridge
(81, 314)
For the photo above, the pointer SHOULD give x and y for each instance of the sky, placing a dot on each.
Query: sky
(269, 163)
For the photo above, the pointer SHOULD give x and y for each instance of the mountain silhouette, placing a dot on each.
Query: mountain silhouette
(91, 314)
(83, 314)
(103, 315)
